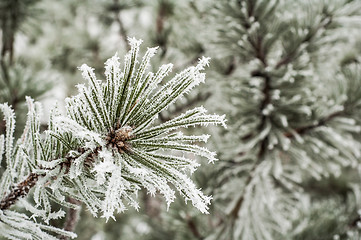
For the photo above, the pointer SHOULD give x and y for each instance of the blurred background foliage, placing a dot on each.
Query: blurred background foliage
(286, 73)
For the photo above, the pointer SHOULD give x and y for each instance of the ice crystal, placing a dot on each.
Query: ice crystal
(107, 147)
(122, 112)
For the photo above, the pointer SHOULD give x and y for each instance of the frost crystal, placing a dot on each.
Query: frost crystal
(115, 121)
(106, 148)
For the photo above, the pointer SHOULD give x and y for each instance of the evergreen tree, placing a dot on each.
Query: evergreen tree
(286, 73)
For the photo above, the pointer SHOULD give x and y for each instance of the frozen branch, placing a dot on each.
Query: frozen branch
(21, 190)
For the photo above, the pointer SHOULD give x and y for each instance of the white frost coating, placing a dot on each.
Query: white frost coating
(87, 72)
(133, 42)
(163, 71)
(112, 65)
(109, 145)
(203, 62)
(152, 51)
(69, 125)
(115, 193)
(9, 118)
(106, 165)
(191, 193)
(76, 168)
(24, 228)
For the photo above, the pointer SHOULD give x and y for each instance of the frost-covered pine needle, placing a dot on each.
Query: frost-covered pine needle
(107, 147)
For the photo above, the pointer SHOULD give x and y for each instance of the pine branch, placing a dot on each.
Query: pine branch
(260, 54)
(234, 212)
(72, 217)
(263, 144)
(21, 190)
(260, 51)
(12, 15)
(8, 41)
(322, 122)
(261, 153)
(324, 23)
(105, 139)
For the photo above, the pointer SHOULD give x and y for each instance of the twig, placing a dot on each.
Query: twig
(151, 206)
(72, 217)
(261, 55)
(261, 152)
(193, 227)
(325, 22)
(322, 122)
(9, 26)
(231, 67)
(161, 36)
(21, 190)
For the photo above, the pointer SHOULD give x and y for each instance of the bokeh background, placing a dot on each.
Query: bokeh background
(286, 73)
